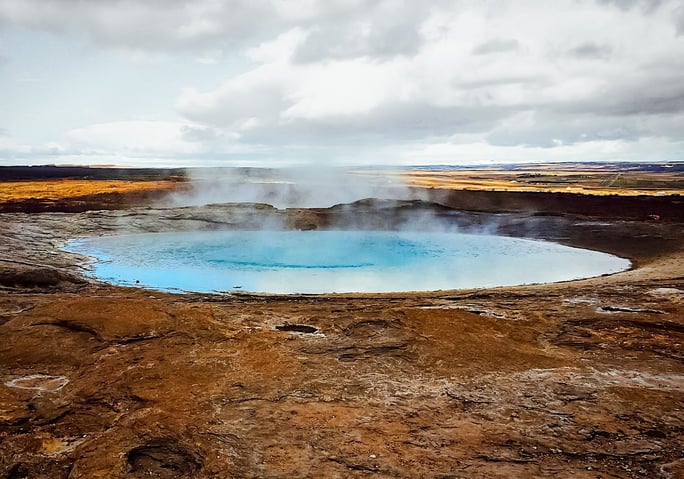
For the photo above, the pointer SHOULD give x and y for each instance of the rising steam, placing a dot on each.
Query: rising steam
(300, 187)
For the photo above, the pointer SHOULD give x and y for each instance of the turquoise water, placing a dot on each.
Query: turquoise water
(335, 261)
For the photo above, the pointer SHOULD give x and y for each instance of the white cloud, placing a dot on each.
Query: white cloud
(279, 50)
(678, 19)
(340, 88)
(155, 143)
(13, 150)
(11, 147)
(361, 79)
(652, 149)
(141, 137)
(156, 139)
(171, 24)
(469, 62)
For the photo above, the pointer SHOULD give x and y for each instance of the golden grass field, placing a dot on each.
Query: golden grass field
(553, 181)
(68, 188)
(535, 178)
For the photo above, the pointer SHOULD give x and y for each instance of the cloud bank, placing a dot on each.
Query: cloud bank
(374, 82)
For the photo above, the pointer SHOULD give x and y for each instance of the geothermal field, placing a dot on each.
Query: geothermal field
(525, 321)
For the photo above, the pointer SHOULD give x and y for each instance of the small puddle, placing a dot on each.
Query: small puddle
(297, 328)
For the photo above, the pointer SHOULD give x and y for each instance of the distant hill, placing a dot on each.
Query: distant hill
(21, 173)
(51, 172)
(671, 167)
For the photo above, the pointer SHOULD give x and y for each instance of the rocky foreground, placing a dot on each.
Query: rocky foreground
(582, 379)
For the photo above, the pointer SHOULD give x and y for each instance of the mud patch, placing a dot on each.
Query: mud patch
(35, 278)
(671, 293)
(297, 328)
(371, 327)
(164, 459)
(17, 471)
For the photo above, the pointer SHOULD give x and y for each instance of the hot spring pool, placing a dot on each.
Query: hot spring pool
(335, 261)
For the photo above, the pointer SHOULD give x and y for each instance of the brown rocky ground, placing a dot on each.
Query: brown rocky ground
(581, 379)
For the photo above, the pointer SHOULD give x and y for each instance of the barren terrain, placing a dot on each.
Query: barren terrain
(571, 178)
(582, 379)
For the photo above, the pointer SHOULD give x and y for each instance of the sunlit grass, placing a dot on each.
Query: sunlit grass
(65, 188)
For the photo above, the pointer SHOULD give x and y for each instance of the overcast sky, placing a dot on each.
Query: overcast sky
(277, 82)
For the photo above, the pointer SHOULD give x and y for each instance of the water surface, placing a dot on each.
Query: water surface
(335, 261)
